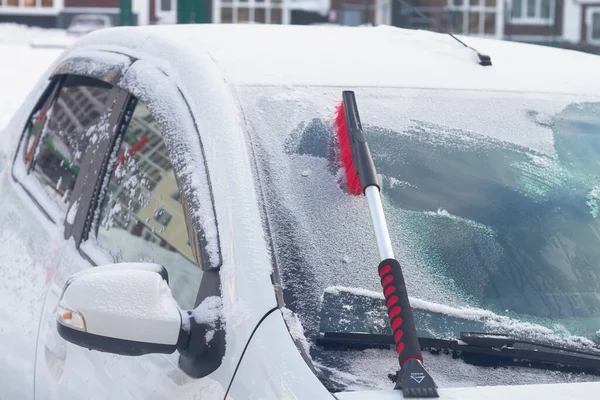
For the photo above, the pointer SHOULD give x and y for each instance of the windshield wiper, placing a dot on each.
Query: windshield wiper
(502, 348)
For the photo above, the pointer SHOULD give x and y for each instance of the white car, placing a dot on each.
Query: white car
(173, 201)
(85, 23)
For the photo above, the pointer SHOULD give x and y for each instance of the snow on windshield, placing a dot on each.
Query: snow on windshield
(454, 167)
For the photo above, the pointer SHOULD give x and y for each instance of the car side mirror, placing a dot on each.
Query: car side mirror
(122, 308)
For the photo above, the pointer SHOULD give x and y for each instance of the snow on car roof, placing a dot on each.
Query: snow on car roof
(355, 57)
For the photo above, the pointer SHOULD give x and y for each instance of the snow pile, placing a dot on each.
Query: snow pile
(445, 214)
(72, 211)
(208, 313)
(136, 299)
(372, 368)
(295, 327)
(16, 34)
(303, 56)
(494, 322)
(95, 63)
(592, 198)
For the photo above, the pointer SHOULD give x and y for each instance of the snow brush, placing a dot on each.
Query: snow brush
(361, 177)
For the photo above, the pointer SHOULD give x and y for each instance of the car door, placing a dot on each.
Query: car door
(30, 243)
(129, 209)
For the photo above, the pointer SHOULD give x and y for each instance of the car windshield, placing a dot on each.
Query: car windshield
(492, 201)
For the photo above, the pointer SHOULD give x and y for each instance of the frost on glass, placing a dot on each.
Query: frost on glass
(173, 115)
(490, 199)
(70, 125)
(142, 218)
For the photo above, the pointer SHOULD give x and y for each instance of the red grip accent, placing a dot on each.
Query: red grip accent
(394, 311)
(396, 323)
(398, 335)
(400, 348)
(384, 270)
(389, 290)
(391, 301)
(387, 280)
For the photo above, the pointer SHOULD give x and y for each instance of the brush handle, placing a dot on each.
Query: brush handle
(382, 234)
(399, 311)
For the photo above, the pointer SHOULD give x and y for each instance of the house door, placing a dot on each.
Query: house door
(166, 11)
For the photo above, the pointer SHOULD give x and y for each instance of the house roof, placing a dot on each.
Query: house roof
(355, 57)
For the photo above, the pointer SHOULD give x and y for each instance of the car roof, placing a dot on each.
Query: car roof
(355, 56)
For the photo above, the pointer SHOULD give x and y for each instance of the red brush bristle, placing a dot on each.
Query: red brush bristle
(345, 156)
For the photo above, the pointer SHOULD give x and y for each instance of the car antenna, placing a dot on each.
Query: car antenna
(484, 59)
(361, 177)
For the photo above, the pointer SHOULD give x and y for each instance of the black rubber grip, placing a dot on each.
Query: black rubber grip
(399, 311)
(361, 155)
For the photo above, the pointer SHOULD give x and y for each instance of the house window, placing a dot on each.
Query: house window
(593, 25)
(162, 216)
(596, 26)
(532, 11)
(251, 12)
(165, 5)
(472, 17)
(27, 3)
(351, 17)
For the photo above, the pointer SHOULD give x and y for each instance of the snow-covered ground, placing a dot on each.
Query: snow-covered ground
(23, 61)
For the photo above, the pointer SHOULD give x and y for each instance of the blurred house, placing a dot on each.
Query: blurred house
(59, 13)
(563, 23)
(300, 12)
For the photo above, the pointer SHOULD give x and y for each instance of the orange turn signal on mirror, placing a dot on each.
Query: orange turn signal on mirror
(70, 318)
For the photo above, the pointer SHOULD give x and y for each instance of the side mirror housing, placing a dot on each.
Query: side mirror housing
(124, 309)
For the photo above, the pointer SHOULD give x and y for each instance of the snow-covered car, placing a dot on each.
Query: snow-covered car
(82, 24)
(175, 223)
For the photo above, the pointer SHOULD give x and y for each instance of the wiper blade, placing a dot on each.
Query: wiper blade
(500, 347)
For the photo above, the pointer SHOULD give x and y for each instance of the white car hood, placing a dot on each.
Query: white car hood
(559, 391)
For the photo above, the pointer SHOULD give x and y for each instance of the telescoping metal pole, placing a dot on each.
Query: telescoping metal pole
(413, 379)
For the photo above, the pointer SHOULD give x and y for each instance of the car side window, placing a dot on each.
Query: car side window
(60, 133)
(141, 218)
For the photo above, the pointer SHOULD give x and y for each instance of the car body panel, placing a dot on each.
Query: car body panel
(272, 368)
(30, 246)
(560, 391)
(355, 57)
